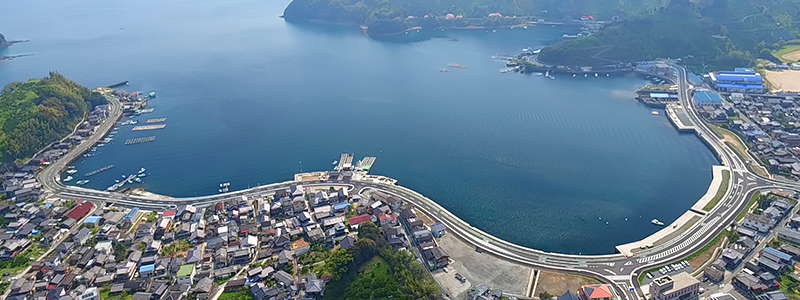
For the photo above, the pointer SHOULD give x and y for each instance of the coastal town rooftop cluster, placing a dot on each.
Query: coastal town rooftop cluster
(195, 252)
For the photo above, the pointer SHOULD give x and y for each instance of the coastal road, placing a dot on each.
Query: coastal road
(616, 269)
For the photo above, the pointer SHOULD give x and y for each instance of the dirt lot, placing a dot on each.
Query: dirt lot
(480, 268)
(698, 261)
(557, 284)
(787, 80)
(791, 56)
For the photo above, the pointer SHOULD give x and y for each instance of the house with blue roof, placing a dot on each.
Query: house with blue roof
(146, 271)
(778, 255)
(92, 220)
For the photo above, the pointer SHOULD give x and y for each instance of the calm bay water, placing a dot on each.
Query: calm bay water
(248, 97)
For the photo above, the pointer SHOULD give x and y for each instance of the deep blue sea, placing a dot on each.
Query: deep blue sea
(248, 97)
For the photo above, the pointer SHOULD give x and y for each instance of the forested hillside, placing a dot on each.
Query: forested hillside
(38, 112)
(712, 33)
(473, 12)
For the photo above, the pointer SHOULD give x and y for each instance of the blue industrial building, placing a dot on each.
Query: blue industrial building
(704, 98)
(741, 80)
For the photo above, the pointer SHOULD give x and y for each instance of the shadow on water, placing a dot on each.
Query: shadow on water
(326, 29)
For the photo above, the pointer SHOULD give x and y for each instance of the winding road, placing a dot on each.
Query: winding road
(616, 269)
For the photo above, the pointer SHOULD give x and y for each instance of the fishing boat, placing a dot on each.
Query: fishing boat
(657, 222)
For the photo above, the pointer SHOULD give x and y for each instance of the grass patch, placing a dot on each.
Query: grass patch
(750, 204)
(241, 294)
(105, 294)
(785, 50)
(733, 141)
(708, 246)
(726, 178)
(22, 260)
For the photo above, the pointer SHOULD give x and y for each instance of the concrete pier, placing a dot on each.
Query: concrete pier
(677, 115)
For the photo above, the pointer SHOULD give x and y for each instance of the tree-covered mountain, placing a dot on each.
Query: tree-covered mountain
(707, 33)
(38, 112)
(394, 14)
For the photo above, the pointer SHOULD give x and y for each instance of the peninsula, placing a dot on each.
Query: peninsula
(38, 112)
(5, 43)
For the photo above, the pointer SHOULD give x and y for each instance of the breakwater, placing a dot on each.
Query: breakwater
(103, 169)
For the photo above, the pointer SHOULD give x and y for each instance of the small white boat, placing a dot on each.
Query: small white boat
(585, 75)
(494, 30)
(595, 75)
(657, 222)
(68, 179)
(335, 162)
(123, 176)
(141, 175)
(137, 179)
(72, 171)
(116, 180)
(573, 75)
(142, 170)
(655, 113)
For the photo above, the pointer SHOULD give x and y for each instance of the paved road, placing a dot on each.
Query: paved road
(616, 269)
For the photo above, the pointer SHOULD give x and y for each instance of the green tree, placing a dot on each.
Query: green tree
(120, 251)
(337, 262)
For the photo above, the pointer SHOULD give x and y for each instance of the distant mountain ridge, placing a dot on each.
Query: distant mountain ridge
(398, 15)
(709, 34)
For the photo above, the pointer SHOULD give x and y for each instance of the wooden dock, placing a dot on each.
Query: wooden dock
(157, 120)
(149, 127)
(365, 164)
(103, 169)
(140, 140)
